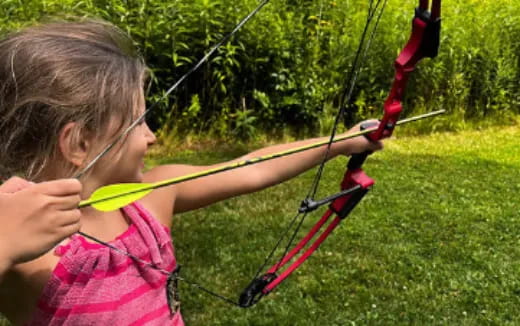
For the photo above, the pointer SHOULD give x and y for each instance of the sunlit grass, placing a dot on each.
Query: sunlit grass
(436, 241)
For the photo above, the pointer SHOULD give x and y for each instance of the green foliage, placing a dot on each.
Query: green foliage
(244, 124)
(290, 62)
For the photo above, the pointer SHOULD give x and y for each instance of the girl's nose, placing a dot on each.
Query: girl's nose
(150, 136)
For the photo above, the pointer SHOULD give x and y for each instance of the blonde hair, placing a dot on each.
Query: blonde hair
(84, 72)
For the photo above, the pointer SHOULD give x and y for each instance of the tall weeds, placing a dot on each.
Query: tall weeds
(286, 68)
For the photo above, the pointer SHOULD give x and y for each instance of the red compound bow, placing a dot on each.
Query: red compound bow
(423, 42)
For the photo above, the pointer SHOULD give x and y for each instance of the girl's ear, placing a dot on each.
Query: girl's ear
(74, 145)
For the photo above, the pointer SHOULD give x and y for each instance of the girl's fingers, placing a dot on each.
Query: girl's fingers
(70, 219)
(61, 203)
(69, 229)
(376, 145)
(14, 184)
(62, 187)
(66, 203)
(65, 219)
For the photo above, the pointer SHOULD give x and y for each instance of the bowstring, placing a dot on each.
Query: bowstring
(353, 75)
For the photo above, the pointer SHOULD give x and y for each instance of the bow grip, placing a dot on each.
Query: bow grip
(357, 160)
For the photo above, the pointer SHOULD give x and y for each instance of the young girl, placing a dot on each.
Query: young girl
(68, 90)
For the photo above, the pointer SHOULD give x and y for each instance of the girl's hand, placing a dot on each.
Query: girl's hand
(35, 217)
(362, 144)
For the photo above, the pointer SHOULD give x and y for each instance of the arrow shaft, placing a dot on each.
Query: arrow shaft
(282, 153)
(243, 163)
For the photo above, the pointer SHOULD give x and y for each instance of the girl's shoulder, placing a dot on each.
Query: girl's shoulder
(168, 171)
(161, 201)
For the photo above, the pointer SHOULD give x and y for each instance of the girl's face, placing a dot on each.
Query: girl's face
(127, 161)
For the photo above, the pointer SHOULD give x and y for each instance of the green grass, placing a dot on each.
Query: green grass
(435, 241)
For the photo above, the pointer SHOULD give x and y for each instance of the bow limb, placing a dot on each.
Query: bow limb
(423, 43)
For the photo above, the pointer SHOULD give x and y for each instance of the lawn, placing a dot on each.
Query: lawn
(435, 242)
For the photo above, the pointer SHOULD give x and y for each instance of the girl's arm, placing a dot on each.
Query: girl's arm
(35, 217)
(204, 191)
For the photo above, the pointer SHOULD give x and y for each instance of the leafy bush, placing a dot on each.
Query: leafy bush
(290, 62)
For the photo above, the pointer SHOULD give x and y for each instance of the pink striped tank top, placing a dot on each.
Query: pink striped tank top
(95, 285)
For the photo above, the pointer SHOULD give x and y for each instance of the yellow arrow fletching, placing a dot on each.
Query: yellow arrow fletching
(115, 196)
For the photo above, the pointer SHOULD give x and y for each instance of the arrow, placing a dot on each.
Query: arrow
(112, 197)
